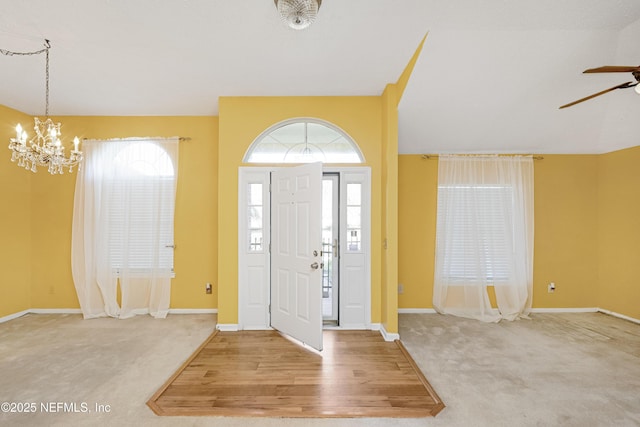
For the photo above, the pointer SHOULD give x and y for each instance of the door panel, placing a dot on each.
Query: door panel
(296, 287)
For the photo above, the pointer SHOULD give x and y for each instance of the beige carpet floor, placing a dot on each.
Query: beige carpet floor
(554, 370)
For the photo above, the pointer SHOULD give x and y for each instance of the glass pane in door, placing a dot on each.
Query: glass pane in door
(330, 248)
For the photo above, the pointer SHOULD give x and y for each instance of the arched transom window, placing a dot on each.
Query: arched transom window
(303, 141)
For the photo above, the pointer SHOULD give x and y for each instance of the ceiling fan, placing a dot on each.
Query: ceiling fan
(635, 71)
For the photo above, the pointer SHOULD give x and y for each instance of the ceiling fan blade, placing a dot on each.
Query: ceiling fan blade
(620, 86)
(612, 69)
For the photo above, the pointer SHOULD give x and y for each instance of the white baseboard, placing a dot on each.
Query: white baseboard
(416, 311)
(79, 311)
(539, 310)
(533, 310)
(193, 311)
(13, 316)
(374, 326)
(41, 311)
(388, 336)
(55, 311)
(227, 327)
(566, 310)
(618, 315)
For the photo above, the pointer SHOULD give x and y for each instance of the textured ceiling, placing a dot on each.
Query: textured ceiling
(490, 77)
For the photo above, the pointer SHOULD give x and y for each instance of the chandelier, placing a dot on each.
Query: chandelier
(45, 149)
(298, 14)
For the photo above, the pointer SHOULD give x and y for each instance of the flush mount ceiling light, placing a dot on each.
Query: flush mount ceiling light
(298, 14)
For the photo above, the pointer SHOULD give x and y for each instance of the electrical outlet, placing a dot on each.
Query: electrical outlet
(551, 287)
(208, 288)
(400, 288)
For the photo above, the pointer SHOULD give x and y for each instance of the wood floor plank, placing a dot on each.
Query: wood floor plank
(263, 373)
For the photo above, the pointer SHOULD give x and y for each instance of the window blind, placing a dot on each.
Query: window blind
(482, 221)
(148, 225)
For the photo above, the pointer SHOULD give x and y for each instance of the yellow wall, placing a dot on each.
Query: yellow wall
(15, 222)
(619, 231)
(390, 209)
(417, 195)
(205, 205)
(566, 222)
(242, 119)
(390, 252)
(195, 217)
(586, 211)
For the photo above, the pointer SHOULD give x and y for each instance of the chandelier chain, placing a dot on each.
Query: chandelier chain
(46, 96)
(45, 50)
(37, 52)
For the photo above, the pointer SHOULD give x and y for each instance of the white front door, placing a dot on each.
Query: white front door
(296, 245)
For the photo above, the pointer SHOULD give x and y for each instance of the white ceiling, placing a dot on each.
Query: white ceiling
(490, 78)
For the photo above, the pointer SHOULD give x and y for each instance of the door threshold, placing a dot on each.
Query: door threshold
(330, 324)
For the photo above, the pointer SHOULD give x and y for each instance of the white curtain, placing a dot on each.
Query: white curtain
(484, 236)
(123, 227)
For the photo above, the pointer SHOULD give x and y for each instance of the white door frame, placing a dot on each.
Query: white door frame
(254, 262)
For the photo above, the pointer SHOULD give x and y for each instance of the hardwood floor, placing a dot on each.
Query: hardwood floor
(263, 373)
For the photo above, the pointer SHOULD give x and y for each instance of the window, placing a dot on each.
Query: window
(255, 216)
(354, 217)
(489, 223)
(303, 141)
(140, 209)
(484, 236)
(122, 235)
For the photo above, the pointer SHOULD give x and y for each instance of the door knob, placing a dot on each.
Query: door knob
(315, 266)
